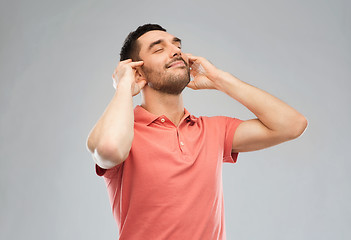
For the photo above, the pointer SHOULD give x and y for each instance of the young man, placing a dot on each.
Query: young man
(163, 166)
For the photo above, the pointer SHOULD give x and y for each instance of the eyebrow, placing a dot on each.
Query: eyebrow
(174, 40)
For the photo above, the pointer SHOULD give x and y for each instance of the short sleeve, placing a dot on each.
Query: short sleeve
(231, 126)
(108, 173)
(99, 170)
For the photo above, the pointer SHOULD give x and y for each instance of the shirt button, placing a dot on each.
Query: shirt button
(163, 120)
(181, 143)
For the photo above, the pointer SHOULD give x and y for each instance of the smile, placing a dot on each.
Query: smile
(177, 64)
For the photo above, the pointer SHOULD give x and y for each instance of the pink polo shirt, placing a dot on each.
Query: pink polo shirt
(170, 186)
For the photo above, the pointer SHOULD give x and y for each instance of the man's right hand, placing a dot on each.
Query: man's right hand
(126, 73)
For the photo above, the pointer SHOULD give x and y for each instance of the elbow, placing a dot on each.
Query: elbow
(90, 145)
(297, 127)
(108, 155)
(108, 152)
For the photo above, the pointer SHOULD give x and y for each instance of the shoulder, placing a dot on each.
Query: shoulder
(219, 119)
(218, 123)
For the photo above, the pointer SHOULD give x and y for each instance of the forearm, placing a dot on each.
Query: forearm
(272, 112)
(111, 138)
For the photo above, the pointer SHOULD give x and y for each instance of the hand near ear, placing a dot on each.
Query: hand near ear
(204, 73)
(126, 73)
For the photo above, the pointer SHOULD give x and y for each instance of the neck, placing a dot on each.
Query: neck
(159, 103)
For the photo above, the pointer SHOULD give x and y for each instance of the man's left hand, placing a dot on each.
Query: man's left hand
(205, 74)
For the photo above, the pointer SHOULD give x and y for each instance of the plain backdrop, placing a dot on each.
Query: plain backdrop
(56, 63)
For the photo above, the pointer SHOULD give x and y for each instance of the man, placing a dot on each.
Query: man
(163, 166)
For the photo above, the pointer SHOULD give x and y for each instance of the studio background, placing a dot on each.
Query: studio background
(56, 63)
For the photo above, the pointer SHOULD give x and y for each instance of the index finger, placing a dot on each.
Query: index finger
(191, 57)
(136, 64)
(125, 61)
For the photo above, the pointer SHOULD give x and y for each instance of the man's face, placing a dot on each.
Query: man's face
(165, 67)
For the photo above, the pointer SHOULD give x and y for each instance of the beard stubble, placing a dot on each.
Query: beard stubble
(170, 81)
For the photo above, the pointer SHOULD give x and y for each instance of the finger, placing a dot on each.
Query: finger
(193, 61)
(192, 57)
(136, 64)
(193, 72)
(200, 60)
(126, 61)
(196, 68)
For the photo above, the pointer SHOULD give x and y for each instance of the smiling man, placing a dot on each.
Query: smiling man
(162, 165)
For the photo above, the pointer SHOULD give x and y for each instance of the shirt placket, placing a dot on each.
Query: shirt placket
(180, 139)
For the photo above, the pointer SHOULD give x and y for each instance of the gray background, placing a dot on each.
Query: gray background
(57, 58)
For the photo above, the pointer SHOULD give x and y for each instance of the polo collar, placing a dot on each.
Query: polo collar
(142, 116)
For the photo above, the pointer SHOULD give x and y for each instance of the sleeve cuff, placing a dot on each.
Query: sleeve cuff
(229, 156)
(100, 171)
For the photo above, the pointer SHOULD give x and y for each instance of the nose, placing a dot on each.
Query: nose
(175, 51)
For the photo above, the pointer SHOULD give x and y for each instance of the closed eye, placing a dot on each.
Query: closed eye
(178, 45)
(158, 50)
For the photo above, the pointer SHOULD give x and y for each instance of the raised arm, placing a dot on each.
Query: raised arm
(111, 138)
(276, 121)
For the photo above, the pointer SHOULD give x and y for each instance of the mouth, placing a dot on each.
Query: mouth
(178, 63)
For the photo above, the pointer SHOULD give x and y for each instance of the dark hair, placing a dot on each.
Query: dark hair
(130, 48)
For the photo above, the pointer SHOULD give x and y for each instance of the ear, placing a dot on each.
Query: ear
(139, 75)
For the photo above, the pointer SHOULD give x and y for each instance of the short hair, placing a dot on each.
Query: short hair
(130, 48)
